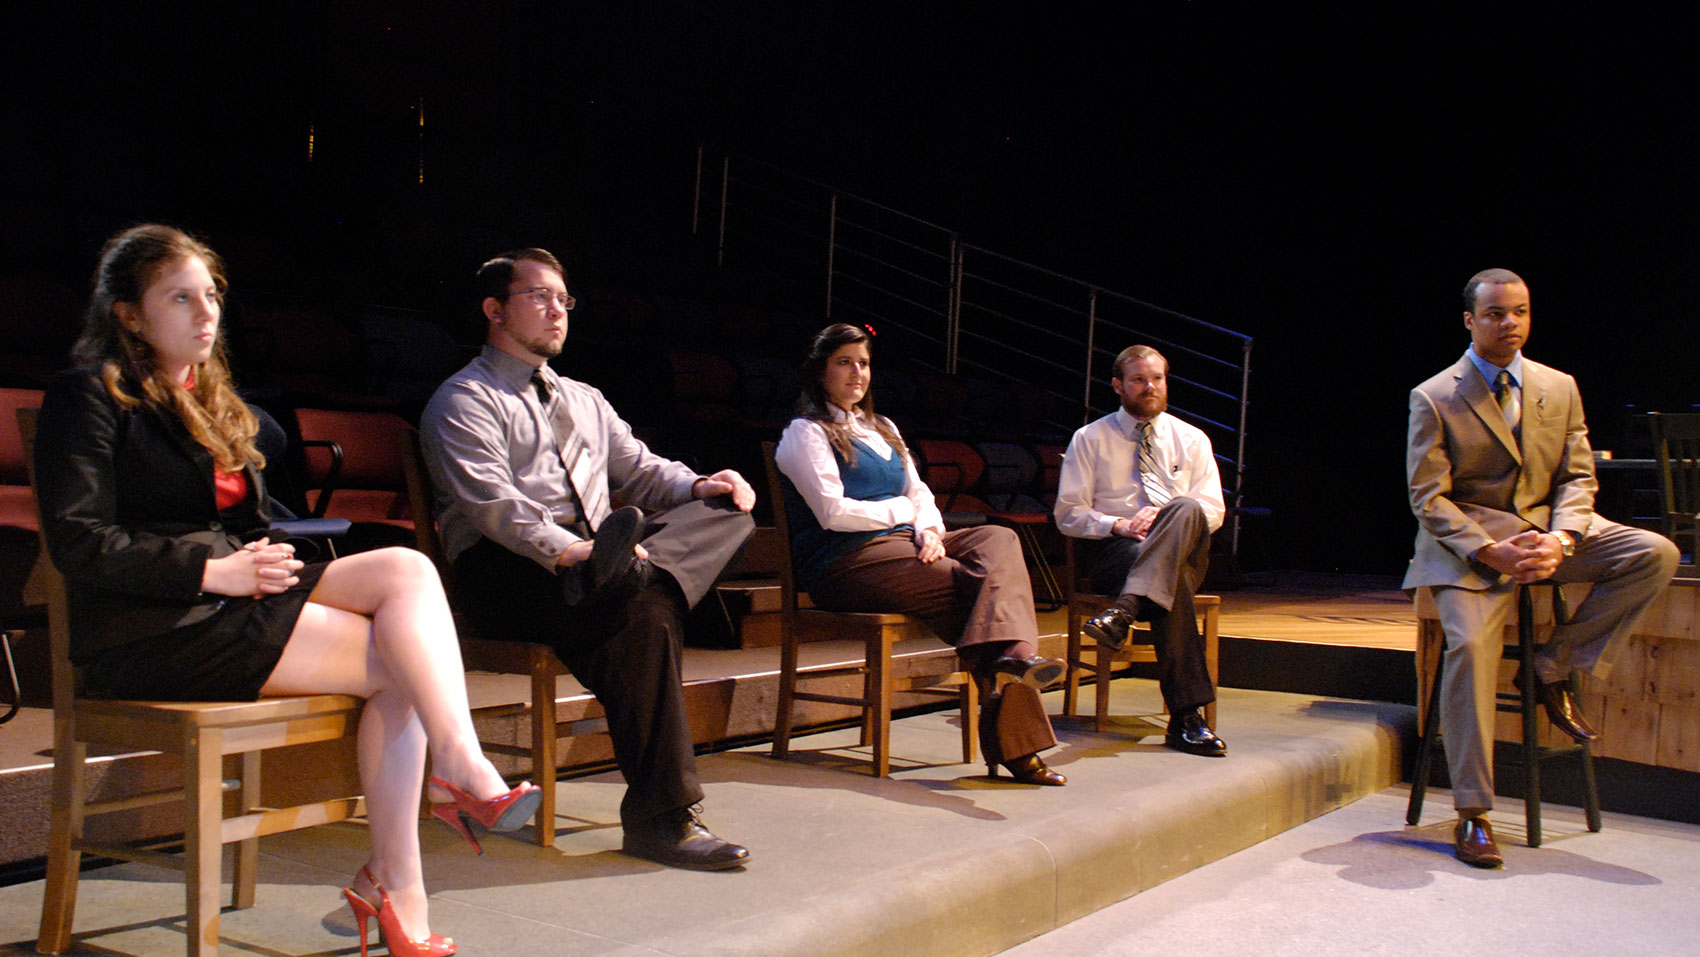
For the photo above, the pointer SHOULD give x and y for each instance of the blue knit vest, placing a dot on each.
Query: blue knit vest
(869, 479)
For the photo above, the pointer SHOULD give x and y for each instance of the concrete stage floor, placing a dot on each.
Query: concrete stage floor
(936, 860)
(1357, 881)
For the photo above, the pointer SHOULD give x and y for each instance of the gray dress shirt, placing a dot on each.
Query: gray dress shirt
(498, 473)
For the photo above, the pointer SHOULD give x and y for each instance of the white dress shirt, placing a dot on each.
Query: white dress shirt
(1100, 476)
(805, 456)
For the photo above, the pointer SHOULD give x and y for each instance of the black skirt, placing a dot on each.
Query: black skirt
(226, 657)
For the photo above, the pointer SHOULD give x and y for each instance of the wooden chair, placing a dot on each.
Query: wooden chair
(1523, 702)
(537, 662)
(1676, 448)
(1083, 604)
(203, 734)
(879, 633)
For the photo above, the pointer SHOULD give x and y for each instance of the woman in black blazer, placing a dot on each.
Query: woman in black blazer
(155, 513)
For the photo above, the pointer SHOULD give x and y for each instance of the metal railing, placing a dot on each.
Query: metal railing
(955, 307)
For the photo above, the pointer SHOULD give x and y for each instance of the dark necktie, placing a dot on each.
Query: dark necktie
(592, 493)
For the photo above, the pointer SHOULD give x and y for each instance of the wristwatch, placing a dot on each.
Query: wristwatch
(1566, 542)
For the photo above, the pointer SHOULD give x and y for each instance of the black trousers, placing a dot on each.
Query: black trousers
(628, 657)
(1163, 572)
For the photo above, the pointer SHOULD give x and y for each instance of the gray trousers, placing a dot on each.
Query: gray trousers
(1628, 567)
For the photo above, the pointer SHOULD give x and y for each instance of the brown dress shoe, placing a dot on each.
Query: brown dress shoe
(1473, 844)
(1562, 709)
(1030, 770)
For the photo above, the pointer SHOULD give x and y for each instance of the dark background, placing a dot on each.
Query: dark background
(1324, 183)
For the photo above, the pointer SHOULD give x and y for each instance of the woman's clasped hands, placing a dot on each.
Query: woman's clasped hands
(261, 567)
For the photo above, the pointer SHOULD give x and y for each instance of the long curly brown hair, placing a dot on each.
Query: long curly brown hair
(812, 403)
(211, 410)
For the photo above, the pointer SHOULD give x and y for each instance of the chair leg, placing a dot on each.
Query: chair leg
(1212, 659)
(970, 698)
(64, 858)
(1106, 665)
(1071, 683)
(880, 680)
(544, 762)
(248, 851)
(1590, 789)
(1529, 705)
(787, 688)
(1425, 752)
(203, 786)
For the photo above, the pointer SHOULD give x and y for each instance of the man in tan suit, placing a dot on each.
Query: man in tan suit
(1502, 485)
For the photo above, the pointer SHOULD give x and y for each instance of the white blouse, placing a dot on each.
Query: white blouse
(805, 457)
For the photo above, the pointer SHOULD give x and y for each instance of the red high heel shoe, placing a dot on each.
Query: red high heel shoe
(389, 925)
(504, 812)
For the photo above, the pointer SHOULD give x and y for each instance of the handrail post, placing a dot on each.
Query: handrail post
(1091, 346)
(831, 247)
(725, 181)
(696, 192)
(1239, 452)
(953, 304)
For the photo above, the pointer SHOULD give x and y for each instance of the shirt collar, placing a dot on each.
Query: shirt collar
(853, 417)
(1129, 425)
(1490, 371)
(514, 372)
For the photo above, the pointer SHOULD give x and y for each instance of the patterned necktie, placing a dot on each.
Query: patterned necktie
(1150, 476)
(1510, 402)
(592, 494)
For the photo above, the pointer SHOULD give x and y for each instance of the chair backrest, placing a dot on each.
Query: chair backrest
(13, 471)
(64, 675)
(369, 478)
(1676, 447)
(422, 497)
(782, 522)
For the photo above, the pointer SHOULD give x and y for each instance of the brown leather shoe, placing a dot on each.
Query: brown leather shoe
(1562, 709)
(1472, 843)
(1030, 770)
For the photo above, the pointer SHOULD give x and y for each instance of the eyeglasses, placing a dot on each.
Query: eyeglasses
(543, 297)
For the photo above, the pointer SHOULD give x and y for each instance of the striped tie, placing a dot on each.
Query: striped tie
(1510, 401)
(1150, 476)
(592, 494)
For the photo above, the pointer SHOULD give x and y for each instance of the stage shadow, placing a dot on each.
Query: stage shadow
(1410, 858)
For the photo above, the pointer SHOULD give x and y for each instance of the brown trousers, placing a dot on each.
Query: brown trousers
(977, 593)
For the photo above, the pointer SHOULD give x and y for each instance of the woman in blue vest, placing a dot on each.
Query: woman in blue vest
(866, 536)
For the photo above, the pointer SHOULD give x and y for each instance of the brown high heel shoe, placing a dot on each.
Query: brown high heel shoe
(389, 925)
(504, 812)
(1029, 770)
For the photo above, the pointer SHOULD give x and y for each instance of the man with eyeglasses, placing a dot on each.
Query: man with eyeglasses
(525, 463)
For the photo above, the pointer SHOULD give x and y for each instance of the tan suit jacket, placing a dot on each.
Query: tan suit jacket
(1473, 484)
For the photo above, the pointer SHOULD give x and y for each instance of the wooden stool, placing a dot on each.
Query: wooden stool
(1431, 642)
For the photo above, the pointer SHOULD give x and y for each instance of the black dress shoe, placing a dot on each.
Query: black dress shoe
(613, 573)
(1189, 733)
(1035, 672)
(1030, 770)
(678, 839)
(1109, 627)
(1472, 843)
(1562, 709)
